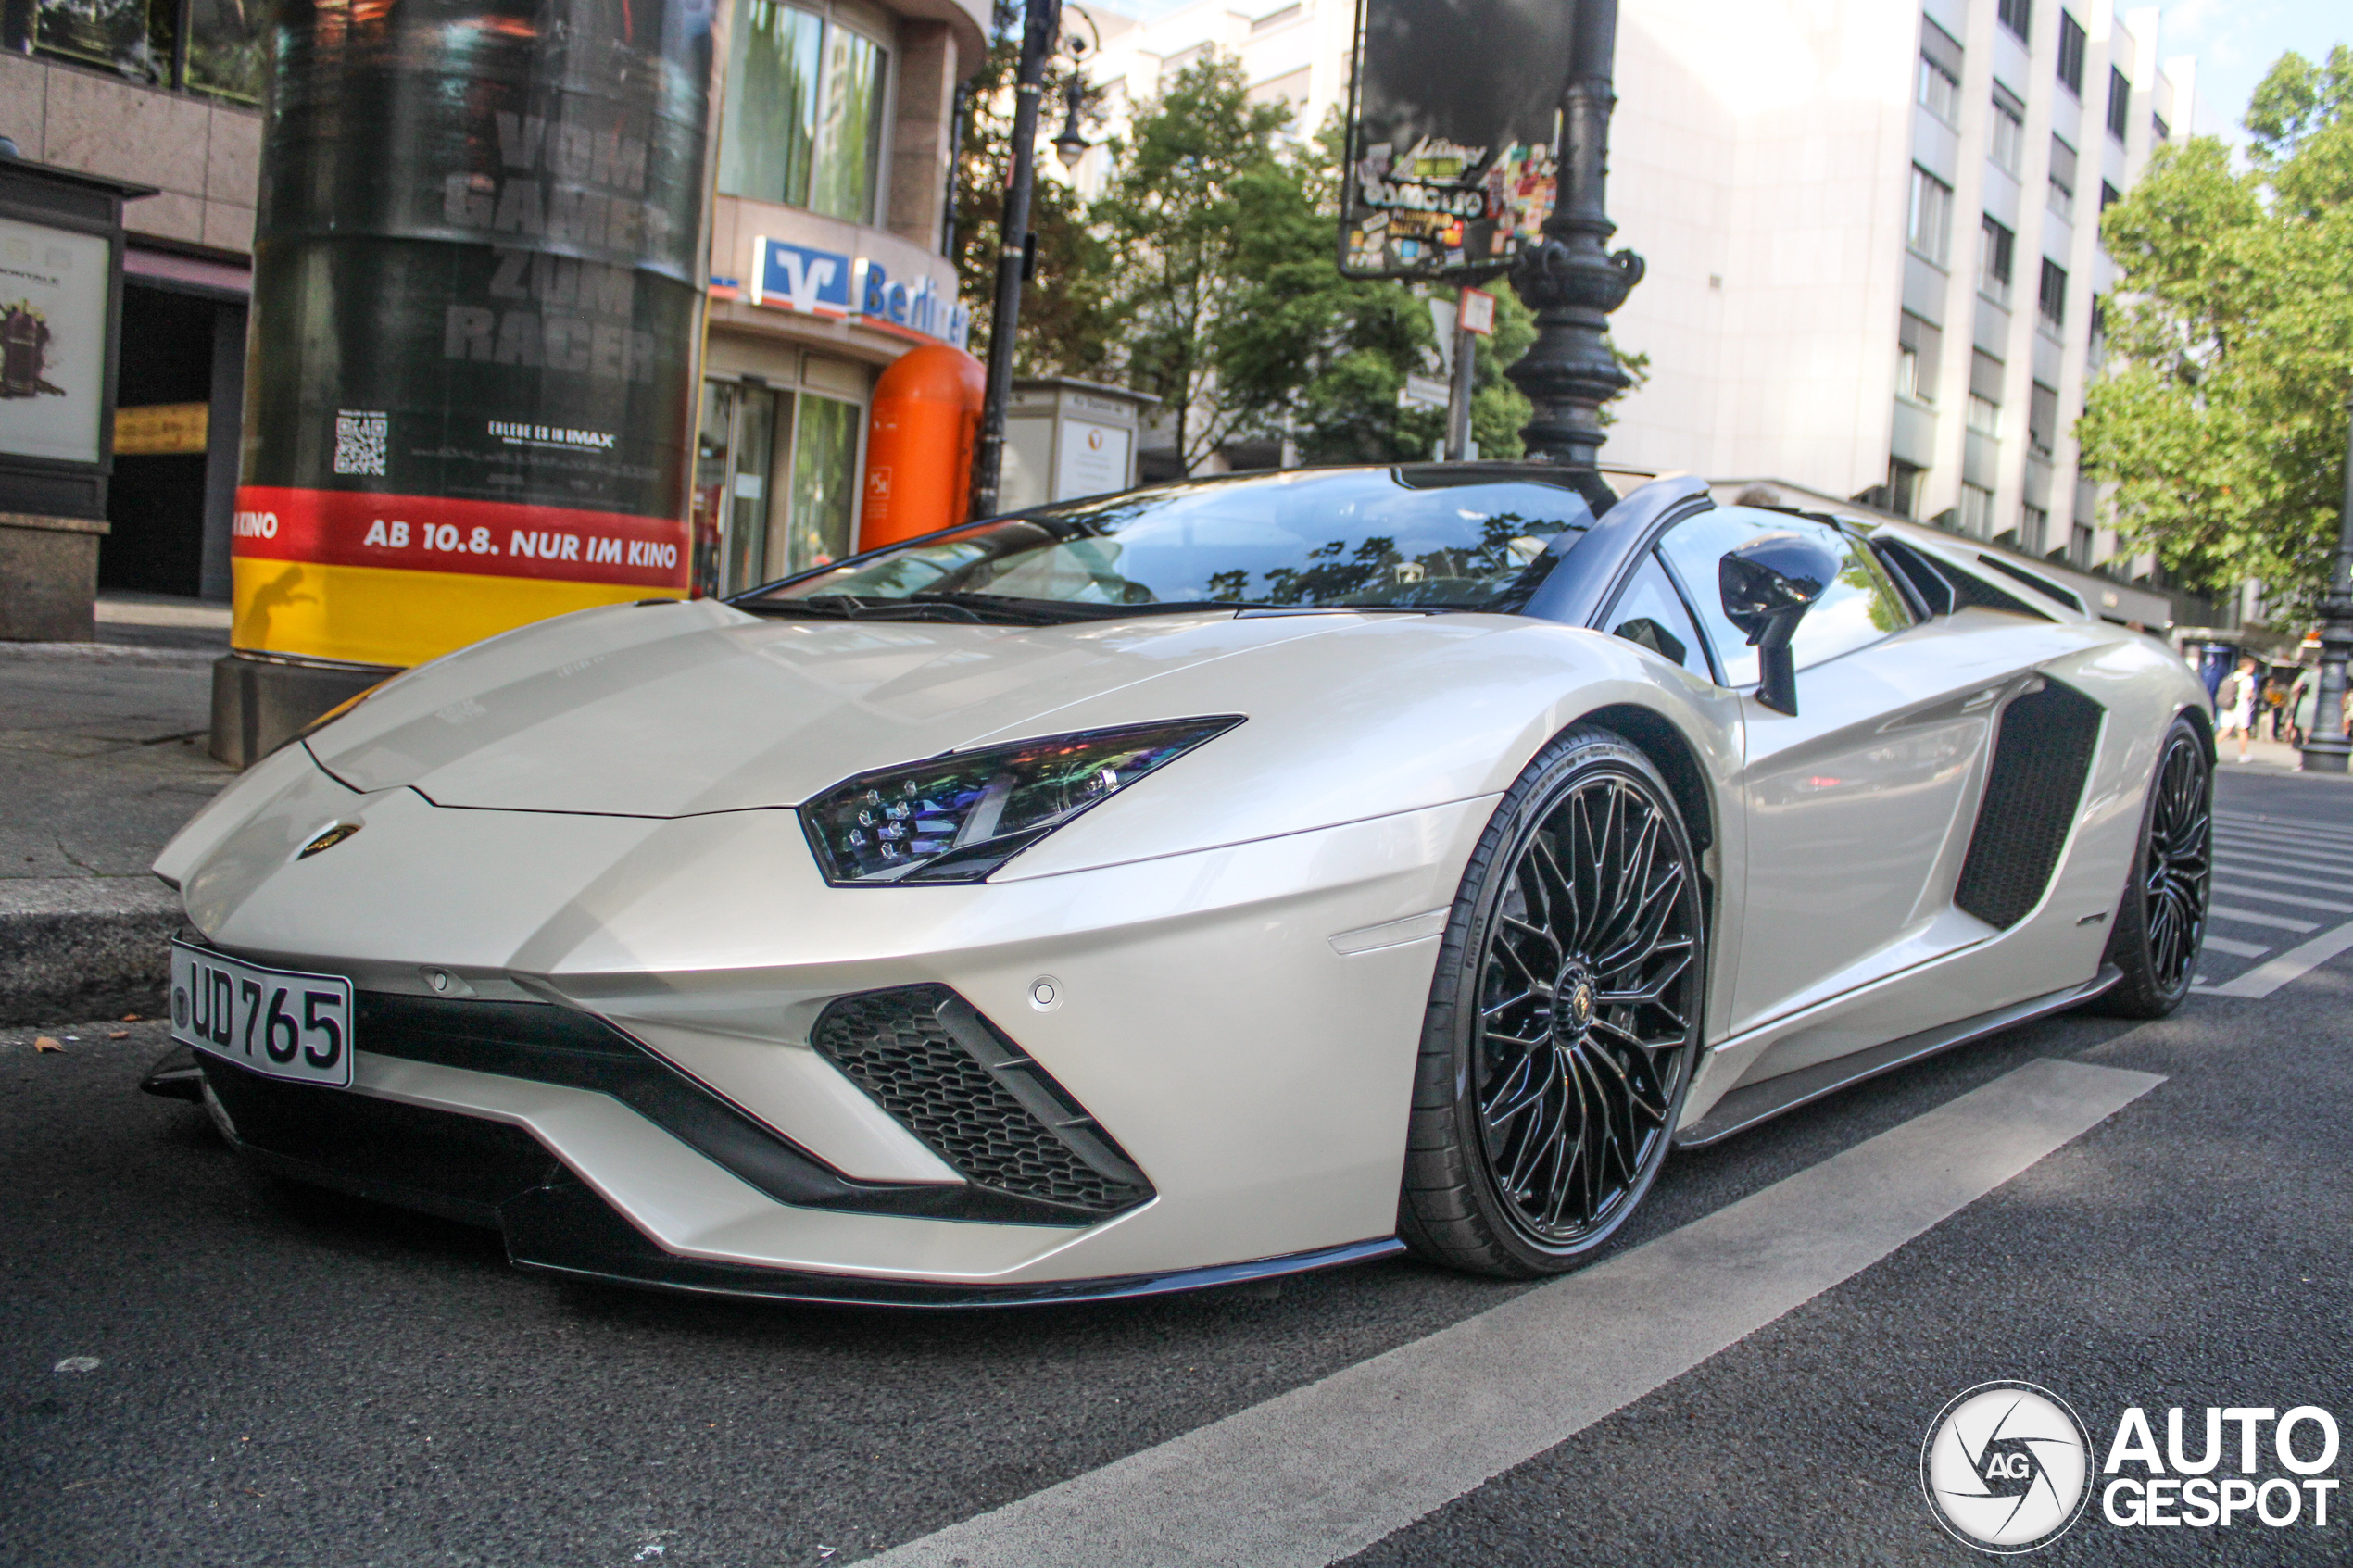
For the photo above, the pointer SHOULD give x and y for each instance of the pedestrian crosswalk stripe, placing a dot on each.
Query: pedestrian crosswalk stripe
(2237, 949)
(2230, 849)
(2253, 917)
(2269, 896)
(2291, 824)
(1323, 1472)
(2332, 884)
(2274, 833)
(2263, 979)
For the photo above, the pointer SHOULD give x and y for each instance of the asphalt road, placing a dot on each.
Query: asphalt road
(286, 1376)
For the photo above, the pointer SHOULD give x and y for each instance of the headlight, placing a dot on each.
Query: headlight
(958, 818)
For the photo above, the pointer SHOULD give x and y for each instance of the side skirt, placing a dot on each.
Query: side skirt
(1744, 1108)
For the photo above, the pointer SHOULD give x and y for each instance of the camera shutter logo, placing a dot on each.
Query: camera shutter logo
(2007, 1467)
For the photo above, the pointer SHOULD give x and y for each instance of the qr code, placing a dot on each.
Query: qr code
(359, 441)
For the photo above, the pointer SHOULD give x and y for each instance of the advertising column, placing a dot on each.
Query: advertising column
(475, 319)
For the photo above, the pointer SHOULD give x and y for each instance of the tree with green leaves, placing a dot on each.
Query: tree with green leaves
(2222, 415)
(1066, 325)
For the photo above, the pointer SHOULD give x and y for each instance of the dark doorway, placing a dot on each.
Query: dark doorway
(156, 503)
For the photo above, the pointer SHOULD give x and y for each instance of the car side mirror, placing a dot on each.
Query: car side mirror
(1769, 584)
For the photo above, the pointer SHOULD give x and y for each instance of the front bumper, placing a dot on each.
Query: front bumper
(1240, 1023)
(493, 1173)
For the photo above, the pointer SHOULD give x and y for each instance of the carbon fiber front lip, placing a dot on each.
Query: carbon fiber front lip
(563, 1228)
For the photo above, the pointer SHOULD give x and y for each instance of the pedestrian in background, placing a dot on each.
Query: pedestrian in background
(2236, 700)
(2303, 698)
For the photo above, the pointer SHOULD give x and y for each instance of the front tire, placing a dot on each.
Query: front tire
(2160, 922)
(1564, 1021)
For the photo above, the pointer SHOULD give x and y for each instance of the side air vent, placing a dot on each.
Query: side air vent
(2042, 755)
(2034, 579)
(977, 1100)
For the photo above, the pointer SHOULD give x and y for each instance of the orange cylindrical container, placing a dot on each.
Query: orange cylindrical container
(919, 445)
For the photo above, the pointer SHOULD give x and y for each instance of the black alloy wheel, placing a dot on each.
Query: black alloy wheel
(1564, 1021)
(2160, 922)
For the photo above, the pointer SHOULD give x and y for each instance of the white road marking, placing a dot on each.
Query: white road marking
(2236, 841)
(2297, 825)
(2251, 917)
(2291, 965)
(1324, 1471)
(2281, 832)
(2237, 949)
(2270, 897)
(2332, 885)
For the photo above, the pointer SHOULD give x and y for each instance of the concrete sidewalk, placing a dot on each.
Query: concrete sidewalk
(102, 757)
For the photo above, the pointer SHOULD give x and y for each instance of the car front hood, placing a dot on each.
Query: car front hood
(675, 709)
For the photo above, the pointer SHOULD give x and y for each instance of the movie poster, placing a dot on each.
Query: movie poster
(53, 340)
(1453, 132)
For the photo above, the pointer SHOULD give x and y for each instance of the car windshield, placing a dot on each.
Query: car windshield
(1421, 538)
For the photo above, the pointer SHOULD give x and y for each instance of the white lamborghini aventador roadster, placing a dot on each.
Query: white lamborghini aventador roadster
(1218, 880)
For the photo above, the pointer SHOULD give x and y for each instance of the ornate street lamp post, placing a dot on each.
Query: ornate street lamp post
(1572, 280)
(2325, 747)
(1042, 20)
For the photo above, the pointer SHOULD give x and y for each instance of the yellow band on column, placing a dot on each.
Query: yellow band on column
(382, 615)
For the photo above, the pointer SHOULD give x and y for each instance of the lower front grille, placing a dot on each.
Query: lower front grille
(977, 1100)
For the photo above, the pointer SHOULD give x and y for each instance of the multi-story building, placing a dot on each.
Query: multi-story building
(831, 166)
(1871, 229)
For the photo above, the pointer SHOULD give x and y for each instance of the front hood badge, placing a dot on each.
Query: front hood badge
(333, 836)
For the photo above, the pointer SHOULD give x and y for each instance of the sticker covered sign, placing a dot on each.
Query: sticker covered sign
(1453, 132)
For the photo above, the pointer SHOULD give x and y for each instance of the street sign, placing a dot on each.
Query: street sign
(1478, 312)
(1422, 392)
(1454, 127)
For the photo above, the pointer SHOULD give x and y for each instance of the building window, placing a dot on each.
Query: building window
(2017, 16)
(2159, 129)
(2119, 103)
(1996, 246)
(2080, 545)
(2099, 318)
(1930, 229)
(1918, 347)
(1903, 487)
(2109, 195)
(2051, 298)
(2062, 193)
(805, 111)
(2009, 131)
(141, 40)
(1985, 395)
(1939, 83)
(2042, 419)
(2071, 54)
(2032, 523)
(1977, 511)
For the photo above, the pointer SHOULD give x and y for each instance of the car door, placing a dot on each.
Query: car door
(1858, 807)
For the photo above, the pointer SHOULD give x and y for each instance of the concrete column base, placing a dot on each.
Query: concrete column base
(259, 704)
(48, 578)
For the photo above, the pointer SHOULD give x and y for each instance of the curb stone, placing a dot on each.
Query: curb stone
(84, 947)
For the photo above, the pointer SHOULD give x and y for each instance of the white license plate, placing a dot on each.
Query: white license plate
(272, 1021)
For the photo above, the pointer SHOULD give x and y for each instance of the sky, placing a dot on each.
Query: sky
(2235, 42)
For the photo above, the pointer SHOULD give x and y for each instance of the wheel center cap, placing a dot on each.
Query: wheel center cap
(1575, 1005)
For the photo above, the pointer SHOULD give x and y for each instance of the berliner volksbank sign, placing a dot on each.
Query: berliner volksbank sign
(1453, 129)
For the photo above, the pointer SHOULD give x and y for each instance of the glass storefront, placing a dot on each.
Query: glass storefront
(804, 119)
(775, 484)
(824, 481)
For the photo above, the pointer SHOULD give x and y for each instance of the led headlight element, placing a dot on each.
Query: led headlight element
(958, 818)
